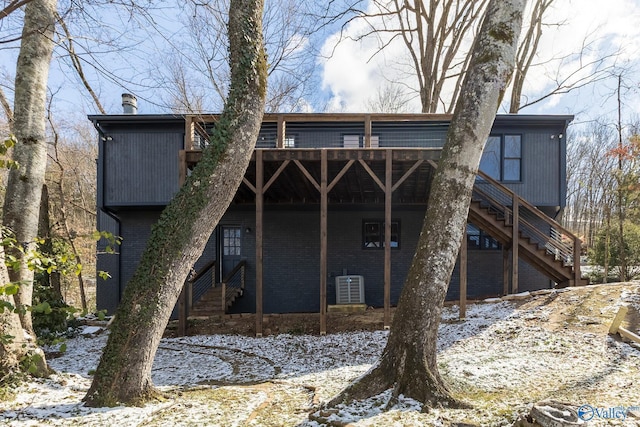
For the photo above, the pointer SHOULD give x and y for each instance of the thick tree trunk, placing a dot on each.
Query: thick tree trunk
(178, 239)
(24, 187)
(11, 350)
(408, 362)
(15, 344)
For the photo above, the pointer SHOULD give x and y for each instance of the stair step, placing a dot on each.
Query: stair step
(210, 304)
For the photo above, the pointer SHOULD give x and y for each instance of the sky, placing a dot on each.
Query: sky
(607, 28)
(346, 75)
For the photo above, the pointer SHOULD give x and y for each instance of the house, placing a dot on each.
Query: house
(331, 206)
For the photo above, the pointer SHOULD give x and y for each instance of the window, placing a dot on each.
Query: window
(373, 234)
(478, 239)
(512, 158)
(289, 141)
(502, 157)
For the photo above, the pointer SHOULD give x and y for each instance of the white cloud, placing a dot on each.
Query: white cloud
(352, 72)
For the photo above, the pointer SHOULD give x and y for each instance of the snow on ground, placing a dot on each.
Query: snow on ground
(504, 357)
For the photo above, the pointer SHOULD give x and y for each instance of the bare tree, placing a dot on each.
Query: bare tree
(389, 98)
(184, 227)
(202, 67)
(436, 35)
(24, 187)
(527, 51)
(408, 363)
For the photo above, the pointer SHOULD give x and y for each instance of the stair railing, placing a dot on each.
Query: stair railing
(532, 223)
(233, 284)
(201, 281)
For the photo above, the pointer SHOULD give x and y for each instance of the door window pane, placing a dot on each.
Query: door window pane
(231, 241)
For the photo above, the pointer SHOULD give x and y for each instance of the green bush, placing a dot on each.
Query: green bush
(631, 249)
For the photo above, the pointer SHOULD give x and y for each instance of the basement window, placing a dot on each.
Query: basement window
(373, 234)
(479, 240)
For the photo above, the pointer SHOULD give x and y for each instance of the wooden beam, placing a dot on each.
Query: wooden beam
(275, 175)
(372, 174)
(617, 329)
(306, 172)
(615, 325)
(340, 175)
(407, 174)
(248, 184)
(259, 240)
(463, 274)
(323, 243)
(387, 238)
(515, 243)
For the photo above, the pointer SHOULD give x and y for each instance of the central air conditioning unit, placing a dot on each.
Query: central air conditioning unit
(349, 289)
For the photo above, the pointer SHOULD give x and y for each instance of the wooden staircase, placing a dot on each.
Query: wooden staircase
(542, 242)
(210, 304)
(216, 299)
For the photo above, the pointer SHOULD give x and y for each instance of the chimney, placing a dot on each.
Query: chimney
(129, 104)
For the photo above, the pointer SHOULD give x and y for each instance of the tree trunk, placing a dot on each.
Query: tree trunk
(408, 362)
(15, 345)
(179, 237)
(11, 350)
(24, 186)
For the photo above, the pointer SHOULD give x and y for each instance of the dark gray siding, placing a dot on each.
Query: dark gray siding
(107, 291)
(136, 229)
(292, 257)
(543, 163)
(140, 168)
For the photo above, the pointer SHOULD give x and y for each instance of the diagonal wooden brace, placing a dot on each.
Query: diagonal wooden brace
(617, 329)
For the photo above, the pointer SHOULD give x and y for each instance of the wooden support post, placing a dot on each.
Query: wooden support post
(189, 298)
(463, 274)
(577, 248)
(505, 270)
(323, 242)
(223, 297)
(182, 313)
(182, 167)
(515, 242)
(259, 241)
(280, 132)
(188, 132)
(367, 131)
(388, 191)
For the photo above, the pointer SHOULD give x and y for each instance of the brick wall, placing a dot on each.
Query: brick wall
(292, 257)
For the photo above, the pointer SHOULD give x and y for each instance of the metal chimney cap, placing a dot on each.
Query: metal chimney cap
(129, 104)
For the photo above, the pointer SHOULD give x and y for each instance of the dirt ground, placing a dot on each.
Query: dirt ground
(580, 306)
